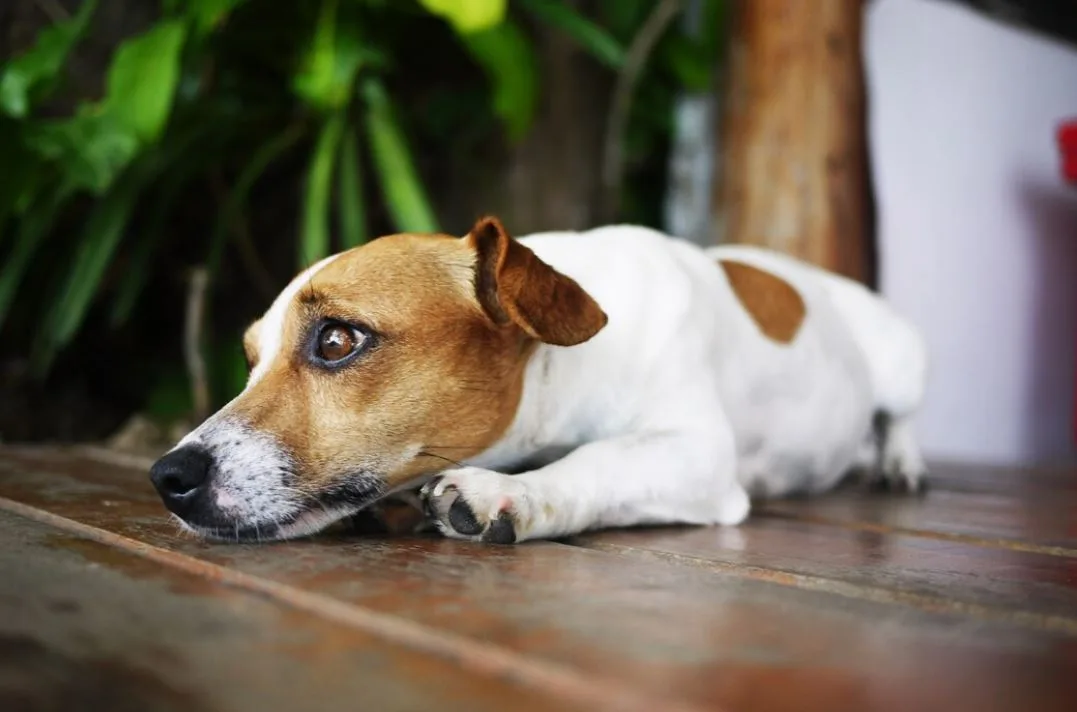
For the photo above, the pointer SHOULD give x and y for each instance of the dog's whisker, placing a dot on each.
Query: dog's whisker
(455, 447)
(449, 460)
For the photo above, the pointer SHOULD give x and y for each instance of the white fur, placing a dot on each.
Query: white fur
(681, 406)
(249, 482)
(272, 326)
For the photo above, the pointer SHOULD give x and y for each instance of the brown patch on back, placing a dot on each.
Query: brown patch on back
(774, 305)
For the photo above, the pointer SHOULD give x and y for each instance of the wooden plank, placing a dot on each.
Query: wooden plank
(1034, 522)
(686, 633)
(1025, 482)
(87, 626)
(993, 582)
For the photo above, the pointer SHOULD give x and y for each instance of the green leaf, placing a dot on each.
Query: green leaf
(41, 65)
(314, 238)
(506, 55)
(91, 148)
(327, 72)
(142, 80)
(20, 176)
(138, 273)
(207, 15)
(593, 38)
(350, 206)
(170, 396)
(33, 231)
(398, 179)
(182, 164)
(623, 18)
(237, 197)
(96, 144)
(228, 370)
(713, 18)
(693, 56)
(29, 181)
(101, 234)
(467, 16)
(689, 62)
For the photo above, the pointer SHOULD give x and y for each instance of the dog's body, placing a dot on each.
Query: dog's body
(681, 403)
(678, 381)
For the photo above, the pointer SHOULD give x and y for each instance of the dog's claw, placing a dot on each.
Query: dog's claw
(441, 487)
(427, 501)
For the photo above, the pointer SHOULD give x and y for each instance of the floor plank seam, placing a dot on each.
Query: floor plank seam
(476, 656)
(928, 604)
(982, 542)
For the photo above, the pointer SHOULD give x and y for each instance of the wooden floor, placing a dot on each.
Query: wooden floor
(963, 600)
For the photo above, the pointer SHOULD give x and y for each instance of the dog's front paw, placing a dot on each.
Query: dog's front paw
(476, 505)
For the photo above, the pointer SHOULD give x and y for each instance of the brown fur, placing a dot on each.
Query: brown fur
(774, 305)
(513, 284)
(250, 344)
(454, 322)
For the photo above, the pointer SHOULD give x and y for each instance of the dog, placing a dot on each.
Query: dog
(541, 387)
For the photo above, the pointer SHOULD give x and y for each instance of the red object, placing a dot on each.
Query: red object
(1067, 145)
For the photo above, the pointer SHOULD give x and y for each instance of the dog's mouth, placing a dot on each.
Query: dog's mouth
(302, 524)
(242, 520)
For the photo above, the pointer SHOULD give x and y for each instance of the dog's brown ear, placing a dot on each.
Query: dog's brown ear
(514, 286)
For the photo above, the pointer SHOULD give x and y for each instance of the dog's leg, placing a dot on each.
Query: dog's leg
(647, 478)
(900, 465)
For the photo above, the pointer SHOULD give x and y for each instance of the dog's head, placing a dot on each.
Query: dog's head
(372, 369)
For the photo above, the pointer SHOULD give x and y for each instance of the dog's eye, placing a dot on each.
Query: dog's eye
(337, 342)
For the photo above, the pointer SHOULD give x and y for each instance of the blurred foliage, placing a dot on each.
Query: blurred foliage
(86, 196)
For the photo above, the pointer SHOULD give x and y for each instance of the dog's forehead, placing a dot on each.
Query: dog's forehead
(393, 276)
(400, 266)
(392, 282)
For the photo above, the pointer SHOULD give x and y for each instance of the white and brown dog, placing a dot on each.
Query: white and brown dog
(545, 386)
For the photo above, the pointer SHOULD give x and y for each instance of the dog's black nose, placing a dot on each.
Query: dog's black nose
(180, 475)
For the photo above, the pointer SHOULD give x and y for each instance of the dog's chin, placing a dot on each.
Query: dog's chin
(303, 524)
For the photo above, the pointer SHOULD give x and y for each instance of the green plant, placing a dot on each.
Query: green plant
(215, 94)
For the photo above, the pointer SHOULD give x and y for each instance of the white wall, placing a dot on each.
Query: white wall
(978, 234)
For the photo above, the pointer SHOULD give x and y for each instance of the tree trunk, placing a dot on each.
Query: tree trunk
(793, 154)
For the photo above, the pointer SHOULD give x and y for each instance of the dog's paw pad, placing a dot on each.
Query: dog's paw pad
(501, 531)
(462, 519)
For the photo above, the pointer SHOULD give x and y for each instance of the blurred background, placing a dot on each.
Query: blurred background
(166, 167)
